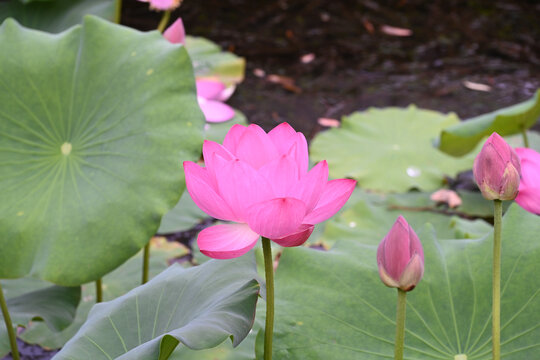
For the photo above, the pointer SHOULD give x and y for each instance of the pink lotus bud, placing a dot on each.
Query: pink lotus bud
(176, 33)
(400, 257)
(163, 5)
(529, 187)
(497, 169)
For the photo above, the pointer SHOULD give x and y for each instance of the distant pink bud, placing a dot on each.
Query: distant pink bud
(497, 169)
(163, 5)
(400, 257)
(529, 187)
(176, 33)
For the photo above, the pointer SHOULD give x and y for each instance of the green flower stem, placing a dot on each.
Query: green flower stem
(496, 319)
(269, 273)
(9, 326)
(145, 264)
(164, 21)
(118, 11)
(525, 137)
(400, 324)
(99, 291)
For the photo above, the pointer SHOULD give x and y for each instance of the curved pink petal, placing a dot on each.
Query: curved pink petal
(529, 187)
(282, 175)
(204, 194)
(276, 218)
(176, 33)
(209, 89)
(233, 137)
(255, 147)
(301, 153)
(162, 4)
(310, 187)
(283, 136)
(215, 111)
(240, 185)
(226, 241)
(412, 274)
(394, 250)
(334, 196)
(297, 238)
(210, 151)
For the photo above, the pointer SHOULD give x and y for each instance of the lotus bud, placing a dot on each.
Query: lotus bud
(497, 170)
(400, 257)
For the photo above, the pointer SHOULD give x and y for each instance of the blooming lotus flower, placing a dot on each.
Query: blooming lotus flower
(176, 33)
(529, 187)
(497, 169)
(261, 183)
(163, 4)
(400, 257)
(210, 94)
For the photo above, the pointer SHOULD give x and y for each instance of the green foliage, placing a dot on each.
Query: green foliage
(462, 138)
(55, 15)
(333, 304)
(200, 307)
(33, 300)
(389, 149)
(94, 122)
(210, 61)
(114, 284)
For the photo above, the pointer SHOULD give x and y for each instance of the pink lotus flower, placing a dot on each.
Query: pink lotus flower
(176, 33)
(529, 187)
(163, 4)
(497, 169)
(261, 183)
(210, 94)
(400, 257)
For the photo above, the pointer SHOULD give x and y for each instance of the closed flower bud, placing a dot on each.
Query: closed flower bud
(400, 257)
(497, 170)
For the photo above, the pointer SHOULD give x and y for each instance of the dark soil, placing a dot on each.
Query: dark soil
(356, 65)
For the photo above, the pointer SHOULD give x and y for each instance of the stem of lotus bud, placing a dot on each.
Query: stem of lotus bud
(496, 319)
(99, 291)
(400, 324)
(164, 21)
(146, 263)
(269, 273)
(9, 326)
(525, 137)
(118, 11)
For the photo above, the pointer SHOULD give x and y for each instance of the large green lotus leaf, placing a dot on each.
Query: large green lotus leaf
(462, 138)
(369, 220)
(332, 305)
(94, 124)
(114, 284)
(389, 149)
(55, 16)
(185, 215)
(199, 307)
(54, 305)
(210, 61)
(473, 204)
